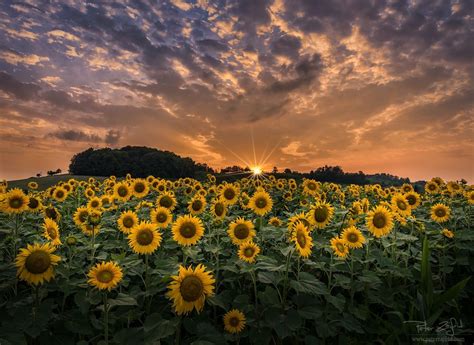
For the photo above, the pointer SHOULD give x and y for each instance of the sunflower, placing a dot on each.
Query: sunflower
(51, 231)
(454, 188)
(15, 201)
(94, 203)
(89, 229)
(127, 221)
(105, 275)
(401, 205)
(166, 199)
(379, 221)
(81, 215)
(470, 197)
(440, 213)
(275, 221)
(248, 251)
(413, 199)
(447, 233)
(234, 321)
(52, 212)
(431, 187)
(89, 192)
(197, 205)
(229, 194)
(406, 188)
(140, 188)
(187, 230)
(261, 203)
(320, 214)
(303, 241)
(189, 289)
(60, 194)
(299, 217)
(241, 230)
(353, 237)
(122, 191)
(107, 202)
(339, 247)
(34, 204)
(32, 185)
(35, 263)
(219, 209)
(161, 216)
(144, 238)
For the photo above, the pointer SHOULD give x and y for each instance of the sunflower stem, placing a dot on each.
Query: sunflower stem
(93, 245)
(285, 285)
(106, 319)
(254, 281)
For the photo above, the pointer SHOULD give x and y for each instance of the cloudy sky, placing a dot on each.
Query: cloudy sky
(377, 86)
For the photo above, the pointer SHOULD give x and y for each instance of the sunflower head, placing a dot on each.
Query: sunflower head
(34, 203)
(166, 199)
(321, 214)
(219, 209)
(35, 263)
(241, 230)
(379, 221)
(15, 201)
(81, 215)
(161, 216)
(234, 321)
(105, 275)
(140, 188)
(187, 230)
(261, 203)
(353, 237)
(447, 233)
(248, 251)
(122, 191)
(144, 238)
(189, 289)
(197, 205)
(33, 185)
(127, 221)
(339, 247)
(51, 231)
(302, 240)
(440, 213)
(230, 193)
(401, 205)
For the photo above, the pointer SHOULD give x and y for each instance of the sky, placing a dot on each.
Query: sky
(376, 86)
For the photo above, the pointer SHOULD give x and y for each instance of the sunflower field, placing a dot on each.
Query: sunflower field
(260, 260)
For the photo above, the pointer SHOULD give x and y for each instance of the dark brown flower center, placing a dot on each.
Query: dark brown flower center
(301, 238)
(219, 209)
(261, 203)
(353, 237)
(241, 231)
(166, 201)
(33, 203)
(105, 276)
(128, 222)
(188, 230)
(191, 288)
(161, 217)
(401, 205)
(196, 205)
(320, 214)
(52, 232)
(59, 194)
(145, 237)
(83, 216)
(234, 321)
(440, 212)
(229, 194)
(122, 191)
(38, 262)
(379, 220)
(94, 204)
(16, 202)
(139, 187)
(248, 252)
(411, 199)
(340, 247)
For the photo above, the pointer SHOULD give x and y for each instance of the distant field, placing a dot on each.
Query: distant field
(46, 181)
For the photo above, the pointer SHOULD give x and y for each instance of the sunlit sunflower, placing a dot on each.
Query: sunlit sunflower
(89, 229)
(161, 216)
(353, 237)
(406, 188)
(187, 230)
(52, 212)
(218, 209)
(229, 193)
(320, 214)
(241, 230)
(339, 247)
(197, 205)
(401, 205)
(470, 197)
(454, 188)
(189, 289)
(431, 187)
(60, 194)
(261, 203)
(122, 191)
(35, 263)
(248, 251)
(33, 185)
(303, 241)
(234, 321)
(140, 188)
(447, 233)
(440, 213)
(105, 275)
(379, 221)
(299, 217)
(94, 203)
(15, 201)
(413, 199)
(34, 204)
(127, 221)
(80, 216)
(166, 199)
(275, 221)
(51, 232)
(144, 238)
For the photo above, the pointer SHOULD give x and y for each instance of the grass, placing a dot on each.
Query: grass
(46, 181)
